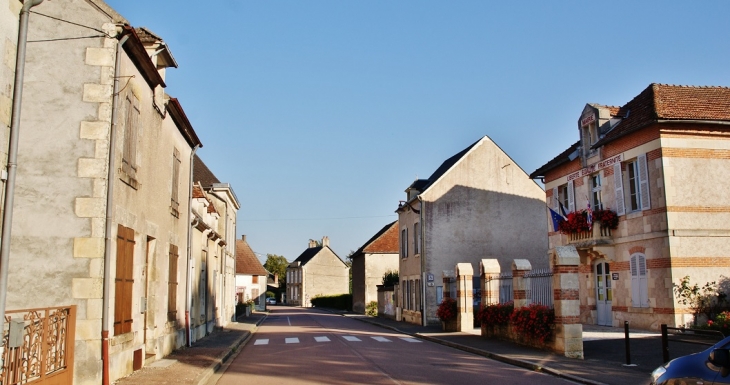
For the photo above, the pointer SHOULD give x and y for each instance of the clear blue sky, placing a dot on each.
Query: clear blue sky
(321, 113)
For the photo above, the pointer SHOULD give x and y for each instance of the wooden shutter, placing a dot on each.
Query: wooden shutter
(124, 281)
(172, 284)
(618, 183)
(571, 197)
(635, 290)
(174, 199)
(643, 182)
(134, 133)
(643, 284)
(556, 200)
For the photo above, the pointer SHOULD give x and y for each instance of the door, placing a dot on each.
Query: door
(604, 294)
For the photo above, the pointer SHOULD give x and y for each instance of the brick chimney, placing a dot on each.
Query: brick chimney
(325, 241)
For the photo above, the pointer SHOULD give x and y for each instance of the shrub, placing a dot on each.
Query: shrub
(575, 222)
(496, 314)
(720, 323)
(534, 322)
(339, 301)
(608, 218)
(447, 309)
(372, 309)
(390, 278)
(707, 300)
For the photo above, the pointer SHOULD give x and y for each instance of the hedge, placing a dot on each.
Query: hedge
(339, 301)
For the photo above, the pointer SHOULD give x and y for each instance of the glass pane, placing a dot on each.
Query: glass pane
(600, 294)
(607, 269)
(609, 295)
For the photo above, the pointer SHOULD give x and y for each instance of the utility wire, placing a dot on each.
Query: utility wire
(72, 23)
(66, 38)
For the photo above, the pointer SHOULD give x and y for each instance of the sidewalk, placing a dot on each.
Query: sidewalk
(604, 350)
(195, 365)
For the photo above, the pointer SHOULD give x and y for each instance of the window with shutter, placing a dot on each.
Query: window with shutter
(131, 129)
(174, 198)
(571, 197)
(639, 282)
(556, 200)
(416, 239)
(172, 284)
(619, 185)
(404, 243)
(124, 281)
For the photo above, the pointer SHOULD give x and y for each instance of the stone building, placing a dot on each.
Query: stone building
(659, 163)
(317, 271)
(478, 204)
(251, 277)
(370, 262)
(102, 196)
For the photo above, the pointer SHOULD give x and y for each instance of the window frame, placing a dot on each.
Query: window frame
(596, 196)
(639, 280)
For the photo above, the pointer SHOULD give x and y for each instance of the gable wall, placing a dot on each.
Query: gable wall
(325, 274)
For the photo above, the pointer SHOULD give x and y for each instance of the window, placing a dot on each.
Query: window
(596, 203)
(416, 239)
(639, 283)
(172, 284)
(255, 279)
(175, 199)
(417, 302)
(124, 281)
(131, 129)
(632, 188)
(405, 295)
(404, 243)
(634, 196)
(413, 294)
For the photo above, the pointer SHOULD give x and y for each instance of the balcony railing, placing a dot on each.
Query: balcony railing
(598, 234)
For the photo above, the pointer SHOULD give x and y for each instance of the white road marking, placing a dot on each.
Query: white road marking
(261, 342)
(351, 338)
(288, 320)
(380, 339)
(291, 340)
(321, 339)
(410, 339)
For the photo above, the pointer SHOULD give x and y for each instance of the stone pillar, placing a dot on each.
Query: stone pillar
(464, 297)
(566, 301)
(519, 282)
(489, 269)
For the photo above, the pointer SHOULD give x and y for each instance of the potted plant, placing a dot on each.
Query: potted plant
(447, 314)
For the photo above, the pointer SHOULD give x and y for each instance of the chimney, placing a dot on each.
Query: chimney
(276, 278)
(325, 241)
(312, 243)
(243, 237)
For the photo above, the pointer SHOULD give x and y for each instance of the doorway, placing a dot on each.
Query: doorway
(604, 294)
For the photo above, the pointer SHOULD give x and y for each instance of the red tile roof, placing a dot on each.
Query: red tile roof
(383, 242)
(246, 261)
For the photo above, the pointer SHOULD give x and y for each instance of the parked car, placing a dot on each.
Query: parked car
(271, 301)
(711, 366)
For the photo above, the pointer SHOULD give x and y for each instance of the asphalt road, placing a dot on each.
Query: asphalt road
(307, 346)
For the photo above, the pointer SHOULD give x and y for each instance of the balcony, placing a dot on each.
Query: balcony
(598, 235)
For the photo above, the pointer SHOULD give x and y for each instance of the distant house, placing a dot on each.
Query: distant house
(370, 262)
(317, 271)
(478, 204)
(658, 164)
(251, 277)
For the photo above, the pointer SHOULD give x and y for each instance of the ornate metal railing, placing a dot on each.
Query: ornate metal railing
(39, 344)
(598, 232)
(540, 284)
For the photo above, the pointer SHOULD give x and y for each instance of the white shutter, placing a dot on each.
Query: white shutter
(635, 285)
(643, 284)
(643, 182)
(571, 197)
(618, 182)
(556, 200)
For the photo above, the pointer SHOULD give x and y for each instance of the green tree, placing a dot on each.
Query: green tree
(276, 264)
(348, 262)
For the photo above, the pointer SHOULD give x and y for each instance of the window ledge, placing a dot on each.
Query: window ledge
(128, 179)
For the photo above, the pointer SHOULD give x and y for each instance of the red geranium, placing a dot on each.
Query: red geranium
(447, 309)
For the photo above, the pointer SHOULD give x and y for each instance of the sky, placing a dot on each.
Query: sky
(321, 113)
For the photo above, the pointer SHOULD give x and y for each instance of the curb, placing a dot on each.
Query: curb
(497, 357)
(228, 355)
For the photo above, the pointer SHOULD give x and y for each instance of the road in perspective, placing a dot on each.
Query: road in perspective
(308, 346)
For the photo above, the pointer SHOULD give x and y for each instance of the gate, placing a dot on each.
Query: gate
(39, 346)
(540, 287)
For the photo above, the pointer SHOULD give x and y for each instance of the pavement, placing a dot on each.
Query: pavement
(605, 361)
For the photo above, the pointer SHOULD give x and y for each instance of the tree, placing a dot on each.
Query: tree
(706, 300)
(348, 262)
(276, 264)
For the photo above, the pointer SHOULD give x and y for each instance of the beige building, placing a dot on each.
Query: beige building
(478, 204)
(102, 198)
(370, 262)
(659, 163)
(316, 272)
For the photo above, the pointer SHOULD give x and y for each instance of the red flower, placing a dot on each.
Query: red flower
(447, 309)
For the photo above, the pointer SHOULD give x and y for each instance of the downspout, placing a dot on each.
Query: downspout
(109, 215)
(423, 261)
(188, 291)
(13, 158)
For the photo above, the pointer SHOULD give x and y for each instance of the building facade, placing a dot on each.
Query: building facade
(251, 277)
(370, 262)
(478, 204)
(318, 271)
(658, 162)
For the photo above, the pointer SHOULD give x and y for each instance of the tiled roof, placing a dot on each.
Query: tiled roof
(555, 162)
(147, 36)
(246, 261)
(670, 102)
(384, 241)
(198, 192)
(202, 174)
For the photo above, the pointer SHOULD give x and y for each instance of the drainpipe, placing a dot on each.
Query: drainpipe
(13, 159)
(188, 291)
(109, 216)
(423, 261)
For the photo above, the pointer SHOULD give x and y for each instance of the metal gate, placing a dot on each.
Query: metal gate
(39, 346)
